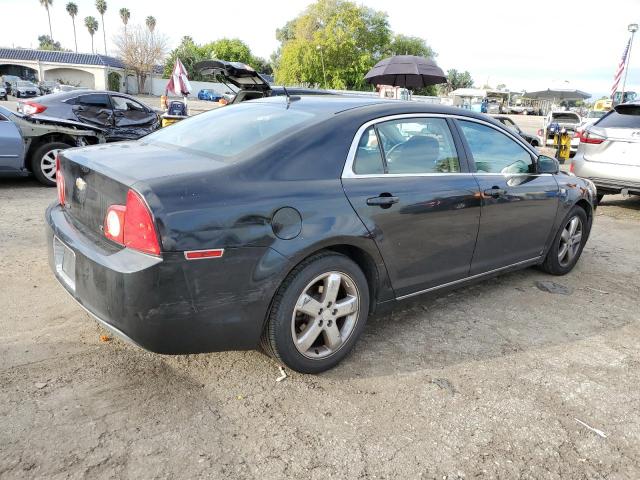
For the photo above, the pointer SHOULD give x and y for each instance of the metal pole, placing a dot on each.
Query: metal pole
(626, 68)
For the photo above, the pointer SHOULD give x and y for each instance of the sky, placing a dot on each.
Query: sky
(524, 44)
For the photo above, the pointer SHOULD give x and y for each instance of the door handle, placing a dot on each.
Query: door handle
(383, 201)
(495, 192)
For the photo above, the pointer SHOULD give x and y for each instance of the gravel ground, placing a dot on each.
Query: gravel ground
(490, 381)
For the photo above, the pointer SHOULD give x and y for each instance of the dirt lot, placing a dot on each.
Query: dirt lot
(488, 382)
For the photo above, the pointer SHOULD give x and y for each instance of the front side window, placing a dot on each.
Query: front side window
(495, 152)
(418, 145)
(124, 104)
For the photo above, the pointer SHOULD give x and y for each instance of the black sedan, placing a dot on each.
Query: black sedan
(284, 223)
(120, 116)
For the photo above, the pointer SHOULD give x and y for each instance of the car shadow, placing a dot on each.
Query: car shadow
(503, 316)
(628, 203)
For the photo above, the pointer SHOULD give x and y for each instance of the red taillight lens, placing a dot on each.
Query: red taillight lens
(588, 137)
(132, 225)
(59, 181)
(31, 108)
(540, 132)
(571, 167)
(114, 223)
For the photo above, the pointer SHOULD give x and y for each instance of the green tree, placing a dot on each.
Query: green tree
(45, 42)
(347, 38)
(406, 45)
(456, 80)
(72, 10)
(92, 26)
(45, 4)
(101, 6)
(125, 15)
(151, 23)
(189, 54)
(231, 50)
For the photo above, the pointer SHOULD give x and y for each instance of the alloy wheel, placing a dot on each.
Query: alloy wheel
(570, 240)
(48, 164)
(325, 315)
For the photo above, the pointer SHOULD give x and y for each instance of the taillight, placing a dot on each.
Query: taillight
(540, 132)
(132, 225)
(587, 137)
(572, 167)
(59, 181)
(31, 108)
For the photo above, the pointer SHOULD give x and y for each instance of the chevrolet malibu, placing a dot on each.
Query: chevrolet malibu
(283, 223)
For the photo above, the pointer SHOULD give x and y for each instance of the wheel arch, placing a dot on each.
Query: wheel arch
(44, 139)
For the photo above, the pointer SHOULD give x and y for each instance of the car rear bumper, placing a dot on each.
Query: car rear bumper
(608, 177)
(167, 305)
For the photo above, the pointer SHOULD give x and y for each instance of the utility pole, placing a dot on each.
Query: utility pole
(633, 28)
(324, 74)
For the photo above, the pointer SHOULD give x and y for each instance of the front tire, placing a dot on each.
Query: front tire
(318, 313)
(43, 162)
(568, 243)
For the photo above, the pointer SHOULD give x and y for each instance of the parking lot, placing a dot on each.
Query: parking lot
(523, 376)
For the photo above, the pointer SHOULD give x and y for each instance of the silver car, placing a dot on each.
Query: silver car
(609, 152)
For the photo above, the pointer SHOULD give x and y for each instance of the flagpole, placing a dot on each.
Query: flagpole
(632, 28)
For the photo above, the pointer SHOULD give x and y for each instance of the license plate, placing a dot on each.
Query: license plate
(65, 260)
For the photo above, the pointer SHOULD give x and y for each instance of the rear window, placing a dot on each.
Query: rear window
(565, 117)
(626, 117)
(232, 130)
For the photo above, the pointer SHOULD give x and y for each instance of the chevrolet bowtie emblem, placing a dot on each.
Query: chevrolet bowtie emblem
(80, 184)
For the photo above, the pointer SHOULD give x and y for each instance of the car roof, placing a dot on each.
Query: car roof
(373, 106)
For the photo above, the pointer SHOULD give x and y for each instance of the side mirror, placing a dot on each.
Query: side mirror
(548, 164)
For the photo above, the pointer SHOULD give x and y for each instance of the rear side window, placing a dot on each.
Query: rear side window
(368, 159)
(627, 117)
(94, 100)
(495, 152)
(232, 130)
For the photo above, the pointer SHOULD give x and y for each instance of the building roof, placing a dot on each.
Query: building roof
(60, 57)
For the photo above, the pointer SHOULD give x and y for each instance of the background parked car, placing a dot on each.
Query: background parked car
(609, 152)
(592, 117)
(121, 117)
(569, 120)
(67, 88)
(532, 140)
(208, 94)
(30, 146)
(24, 89)
(47, 86)
(3, 93)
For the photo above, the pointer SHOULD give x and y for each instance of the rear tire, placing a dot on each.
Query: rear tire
(43, 164)
(317, 314)
(568, 243)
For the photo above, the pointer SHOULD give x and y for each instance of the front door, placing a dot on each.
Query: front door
(95, 109)
(132, 119)
(409, 187)
(518, 205)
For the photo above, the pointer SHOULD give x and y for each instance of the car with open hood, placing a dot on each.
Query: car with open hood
(285, 222)
(249, 83)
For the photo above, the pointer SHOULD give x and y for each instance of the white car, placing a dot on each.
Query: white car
(571, 121)
(3, 93)
(591, 117)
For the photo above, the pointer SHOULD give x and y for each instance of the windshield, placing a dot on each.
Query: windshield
(229, 131)
(25, 84)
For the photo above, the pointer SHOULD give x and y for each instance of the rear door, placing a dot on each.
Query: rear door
(519, 205)
(11, 146)
(410, 186)
(132, 119)
(94, 109)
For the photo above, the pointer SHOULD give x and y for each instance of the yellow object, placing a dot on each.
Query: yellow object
(562, 141)
(170, 119)
(603, 105)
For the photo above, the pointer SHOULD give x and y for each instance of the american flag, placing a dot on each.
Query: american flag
(620, 69)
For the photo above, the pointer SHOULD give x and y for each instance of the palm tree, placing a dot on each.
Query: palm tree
(101, 5)
(92, 25)
(151, 23)
(45, 4)
(72, 9)
(125, 15)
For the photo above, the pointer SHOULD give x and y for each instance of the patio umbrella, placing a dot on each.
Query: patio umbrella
(178, 82)
(407, 71)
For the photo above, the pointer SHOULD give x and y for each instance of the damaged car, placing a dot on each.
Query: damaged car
(29, 145)
(120, 116)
